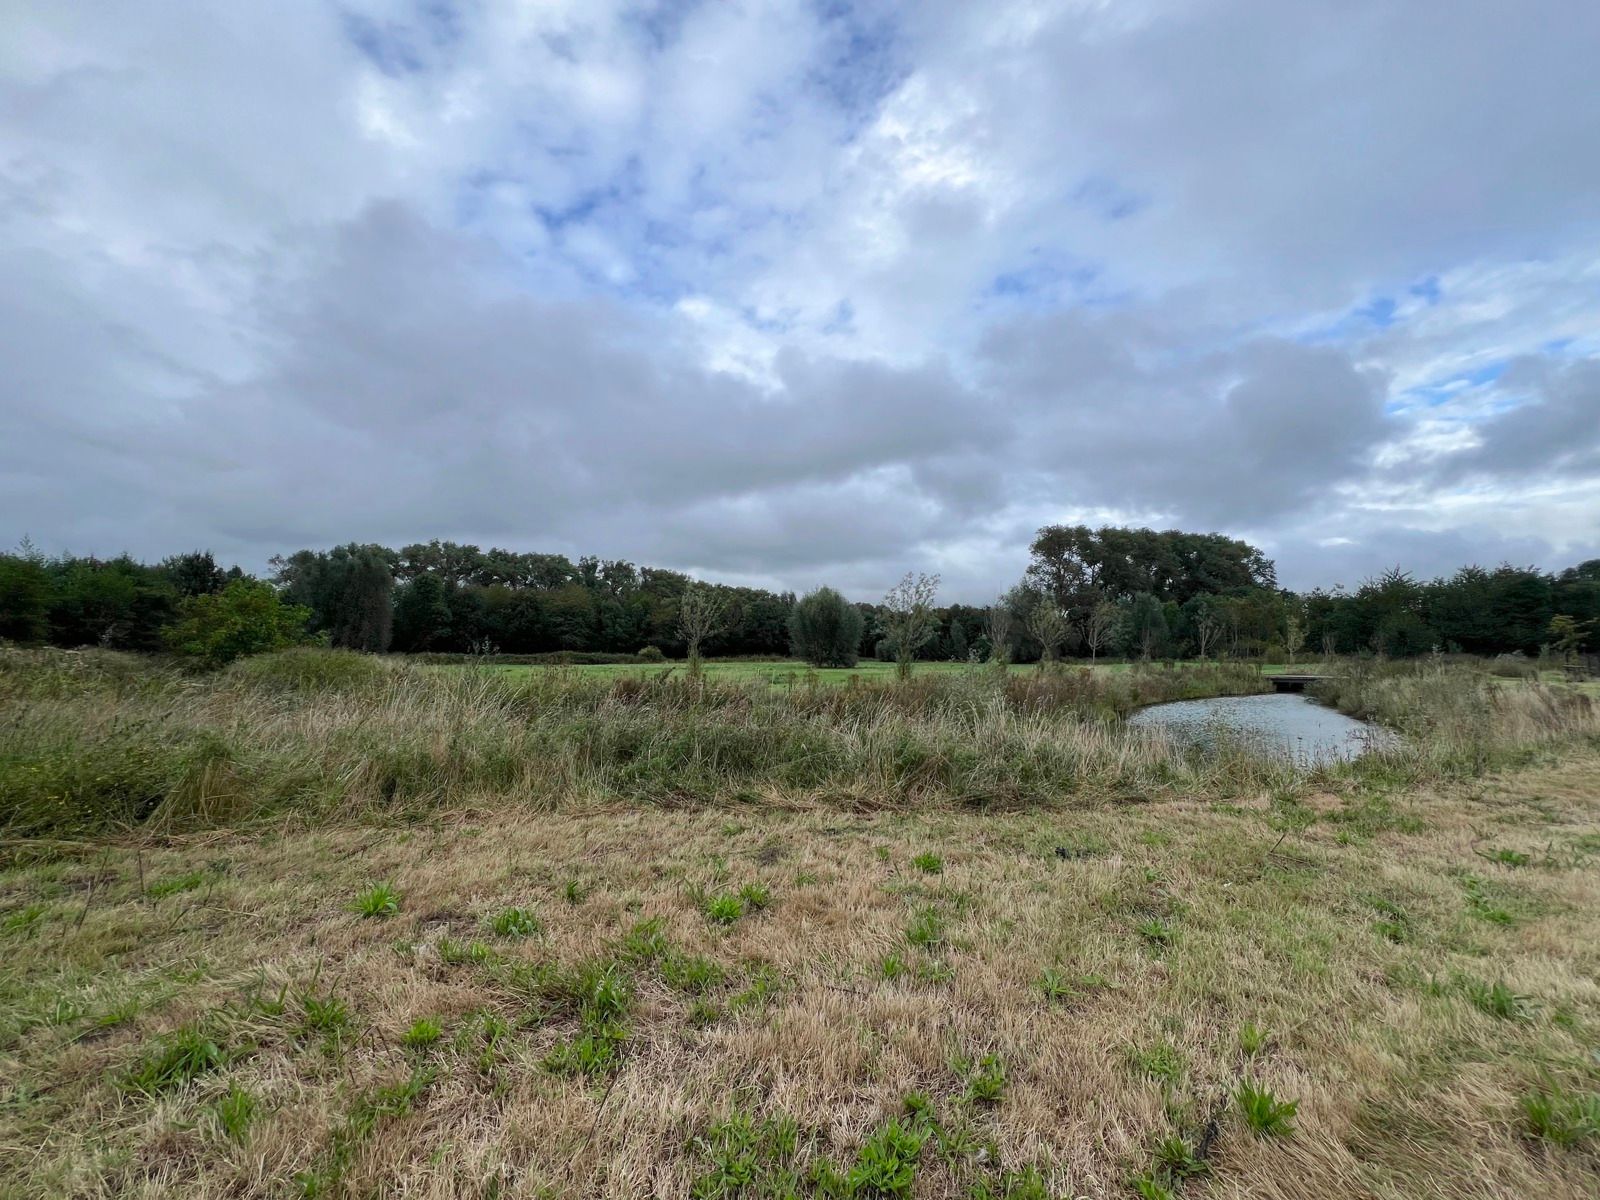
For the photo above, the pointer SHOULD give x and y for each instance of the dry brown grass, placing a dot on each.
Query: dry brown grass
(1406, 1087)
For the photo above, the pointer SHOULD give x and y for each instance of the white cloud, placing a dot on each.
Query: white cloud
(786, 290)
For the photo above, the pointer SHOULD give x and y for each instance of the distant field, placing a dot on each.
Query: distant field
(780, 671)
(785, 671)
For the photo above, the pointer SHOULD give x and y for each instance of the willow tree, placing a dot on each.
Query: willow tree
(702, 613)
(825, 629)
(909, 619)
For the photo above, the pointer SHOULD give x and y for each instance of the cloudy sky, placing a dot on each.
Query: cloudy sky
(803, 291)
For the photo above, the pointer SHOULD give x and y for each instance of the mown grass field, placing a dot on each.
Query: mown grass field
(392, 932)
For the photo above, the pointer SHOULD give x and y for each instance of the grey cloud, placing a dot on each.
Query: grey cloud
(255, 292)
(1554, 431)
(1248, 436)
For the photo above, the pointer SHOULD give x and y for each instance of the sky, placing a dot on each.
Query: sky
(804, 291)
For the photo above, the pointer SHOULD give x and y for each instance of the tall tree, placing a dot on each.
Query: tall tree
(422, 614)
(1145, 625)
(24, 598)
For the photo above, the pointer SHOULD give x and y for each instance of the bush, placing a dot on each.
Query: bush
(246, 617)
(825, 629)
(652, 654)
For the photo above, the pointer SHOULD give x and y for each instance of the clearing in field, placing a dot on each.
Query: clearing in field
(318, 926)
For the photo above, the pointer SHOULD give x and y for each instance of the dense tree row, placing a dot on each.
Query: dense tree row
(1086, 592)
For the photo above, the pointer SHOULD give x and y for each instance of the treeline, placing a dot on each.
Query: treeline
(1142, 593)
(1136, 593)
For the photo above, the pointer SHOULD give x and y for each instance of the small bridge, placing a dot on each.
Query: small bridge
(1294, 683)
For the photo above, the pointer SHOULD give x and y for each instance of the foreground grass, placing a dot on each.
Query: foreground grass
(632, 1002)
(329, 926)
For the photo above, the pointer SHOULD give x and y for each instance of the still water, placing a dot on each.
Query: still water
(1308, 731)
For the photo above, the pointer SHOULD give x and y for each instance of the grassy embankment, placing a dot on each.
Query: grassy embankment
(375, 929)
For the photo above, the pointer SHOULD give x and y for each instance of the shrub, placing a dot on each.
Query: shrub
(651, 654)
(825, 629)
(246, 617)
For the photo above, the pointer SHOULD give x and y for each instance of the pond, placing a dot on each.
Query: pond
(1308, 731)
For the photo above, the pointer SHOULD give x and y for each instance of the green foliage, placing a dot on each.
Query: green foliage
(747, 1158)
(422, 614)
(325, 1015)
(886, 1165)
(986, 1082)
(424, 1032)
(1175, 1159)
(178, 1058)
(928, 864)
(690, 973)
(515, 922)
(379, 900)
(1024, 1184)
(172, 885)
(24, 599)
(724, 909)
(1561, 1117)
(1162, 1061)
(349, 590)
(1498, 1000)
(1264, 1113)
(1484, 904)
(1505, 857)
(603, 997)
(245, 618)
(1055, 985)
(926, 930)
(825, 629)
(1253, 1039)
(1155, 931)
(236, 1109)
(360, 1123)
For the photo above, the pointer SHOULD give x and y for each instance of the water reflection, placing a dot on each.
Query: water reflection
(1308, 731)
